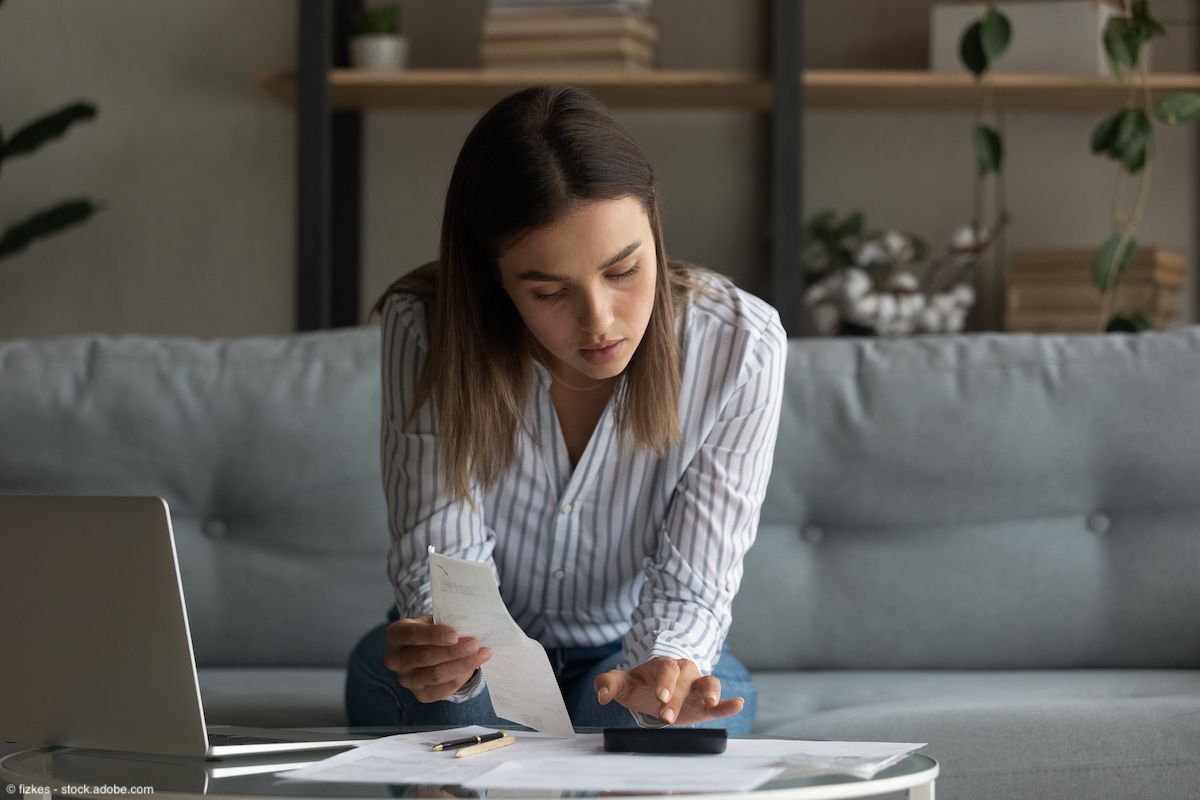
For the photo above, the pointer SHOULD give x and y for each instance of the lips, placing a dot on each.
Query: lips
(603, 345)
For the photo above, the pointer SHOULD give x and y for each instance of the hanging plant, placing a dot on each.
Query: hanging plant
(1127, 137)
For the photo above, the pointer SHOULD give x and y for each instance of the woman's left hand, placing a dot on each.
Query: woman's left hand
(671, 689)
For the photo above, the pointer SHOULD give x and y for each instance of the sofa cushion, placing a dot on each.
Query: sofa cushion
(981, 502)
(267, 452)
(274, 697)
(1076, 733)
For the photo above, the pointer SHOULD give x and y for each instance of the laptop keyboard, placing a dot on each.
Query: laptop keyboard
(218, 739)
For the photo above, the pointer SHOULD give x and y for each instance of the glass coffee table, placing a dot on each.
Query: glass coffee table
(43, 772)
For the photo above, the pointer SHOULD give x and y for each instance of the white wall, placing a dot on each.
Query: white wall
(196, 163)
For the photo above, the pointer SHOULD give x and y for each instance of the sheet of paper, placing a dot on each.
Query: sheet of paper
(630, 773)
(519, 677)
(808, 757)
(405, 758)
(465, 596)
(543, 762)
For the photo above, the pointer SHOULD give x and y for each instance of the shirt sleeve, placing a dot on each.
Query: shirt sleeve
(684, 608)
(421, 511)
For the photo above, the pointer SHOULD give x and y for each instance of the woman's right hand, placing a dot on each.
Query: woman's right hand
(429, 660)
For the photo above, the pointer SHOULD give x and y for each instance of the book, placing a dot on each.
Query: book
(640, 28)
(506, 6)
(1078, 261)
(567, 65)
(575, 48)
(1148, 299)
(495, 5)
(1150, 266)
(1066, 322)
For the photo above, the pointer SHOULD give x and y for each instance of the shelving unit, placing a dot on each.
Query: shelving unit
(330, 100)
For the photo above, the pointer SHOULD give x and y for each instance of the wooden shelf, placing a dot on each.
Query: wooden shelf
(960, 92)
(477, 88)
(824, 89)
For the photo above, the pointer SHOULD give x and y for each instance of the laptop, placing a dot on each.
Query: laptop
(97, 651)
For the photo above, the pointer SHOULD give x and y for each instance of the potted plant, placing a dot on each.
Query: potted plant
(377, 43)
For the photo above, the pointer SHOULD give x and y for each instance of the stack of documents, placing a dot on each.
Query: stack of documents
(579, 763)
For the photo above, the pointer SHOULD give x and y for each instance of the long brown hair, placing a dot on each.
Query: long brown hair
(526, 162)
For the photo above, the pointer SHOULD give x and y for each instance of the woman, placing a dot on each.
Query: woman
(594, 422)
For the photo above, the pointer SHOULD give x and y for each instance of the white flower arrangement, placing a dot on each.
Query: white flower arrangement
(878, 284)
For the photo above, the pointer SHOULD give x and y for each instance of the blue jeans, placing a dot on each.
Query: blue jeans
(374, 696)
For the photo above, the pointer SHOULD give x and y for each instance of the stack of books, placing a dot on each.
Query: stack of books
(1052, 291)
(569, 35)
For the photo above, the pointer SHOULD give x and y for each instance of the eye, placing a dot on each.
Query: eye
(627, 274)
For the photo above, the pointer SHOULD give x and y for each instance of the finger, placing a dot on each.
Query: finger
(707, 690)
(408, 632)
(432, 694)
(457, 671)
(407, 659)
(609, 685)
(727, 708)
(686, 674)
(664, 682)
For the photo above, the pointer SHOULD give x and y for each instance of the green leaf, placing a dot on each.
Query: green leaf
(1179, 108)
(1107, 260)
(1125, 136)
(1147, 25)
(1129, 323)
(51, 126)
(995, 34)
(970, 50)
(1133, 138)
(1121, 42)
(45, 223)
(1105, 134)
(989, 149)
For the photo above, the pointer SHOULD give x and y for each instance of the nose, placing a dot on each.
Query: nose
(595, 312)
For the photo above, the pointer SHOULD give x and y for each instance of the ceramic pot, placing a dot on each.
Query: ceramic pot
(379, 51)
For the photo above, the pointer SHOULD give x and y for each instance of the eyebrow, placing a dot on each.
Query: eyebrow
(534, 275)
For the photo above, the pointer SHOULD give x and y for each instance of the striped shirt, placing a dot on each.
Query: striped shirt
(627, 545)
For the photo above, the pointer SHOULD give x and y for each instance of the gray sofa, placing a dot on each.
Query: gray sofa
(989, 542)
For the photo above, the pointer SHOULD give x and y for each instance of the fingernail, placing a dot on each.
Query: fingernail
(468, 646)
(668, 715)
(485, 654)
(664, 695)
(603, 693)
(449, 638)
(712, 699)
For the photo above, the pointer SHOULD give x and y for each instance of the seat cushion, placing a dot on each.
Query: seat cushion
(1063, 733)
(274, 697)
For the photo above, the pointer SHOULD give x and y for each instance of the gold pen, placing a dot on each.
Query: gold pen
(504, 740)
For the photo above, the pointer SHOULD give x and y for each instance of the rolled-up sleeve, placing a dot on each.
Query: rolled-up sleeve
(684, 608)
(421, 511)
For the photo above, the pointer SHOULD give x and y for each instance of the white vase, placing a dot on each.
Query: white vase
(379, 51)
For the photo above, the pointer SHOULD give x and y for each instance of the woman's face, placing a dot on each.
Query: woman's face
(585, 287)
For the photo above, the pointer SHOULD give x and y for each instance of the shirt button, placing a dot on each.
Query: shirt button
(560, 574)
(566, 508)
(730, 586)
